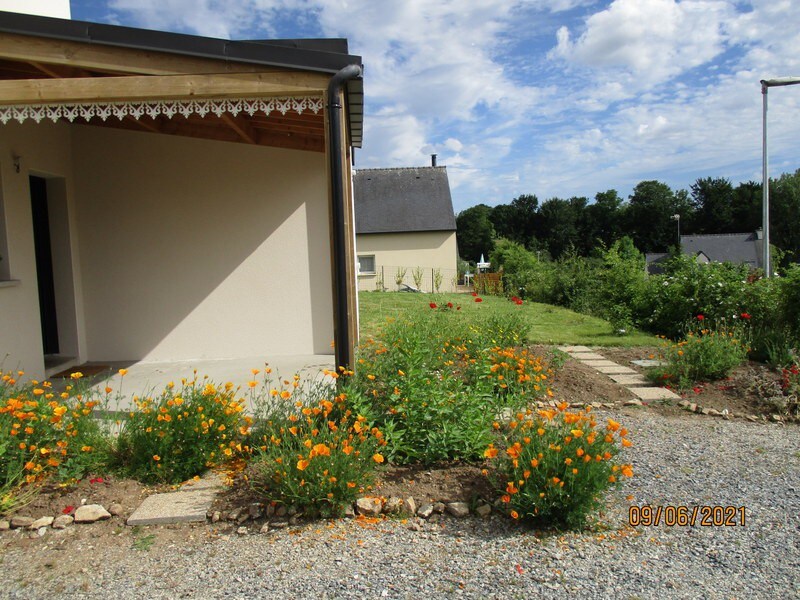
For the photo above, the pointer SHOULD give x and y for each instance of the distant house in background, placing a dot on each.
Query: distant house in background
(736, 248)
(405, 222)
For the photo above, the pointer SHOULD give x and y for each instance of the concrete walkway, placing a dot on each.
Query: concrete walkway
(629, 378)
(146, 377)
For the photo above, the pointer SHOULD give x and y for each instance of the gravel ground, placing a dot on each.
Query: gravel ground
(686, 460)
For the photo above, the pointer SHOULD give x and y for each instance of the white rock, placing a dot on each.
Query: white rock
(425, 511)
(5, 525)
(41, 522)
(393, 505)
(369, 507)
(410, 506)
(458, 509)
(17, 521)
(116, 509)
(63, 521)
(89, 513)
(484, 510)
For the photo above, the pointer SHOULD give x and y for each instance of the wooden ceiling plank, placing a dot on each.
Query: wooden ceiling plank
(240, 127)
(169, 87)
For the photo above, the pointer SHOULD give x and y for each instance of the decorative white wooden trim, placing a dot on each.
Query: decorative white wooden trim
(155, 108)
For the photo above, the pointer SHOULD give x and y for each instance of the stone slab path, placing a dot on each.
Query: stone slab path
(637, 384)
(188, 504)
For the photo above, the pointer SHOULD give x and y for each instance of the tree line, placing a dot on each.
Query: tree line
(653, 216)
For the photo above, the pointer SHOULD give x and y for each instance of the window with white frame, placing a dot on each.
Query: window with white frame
(366, 265)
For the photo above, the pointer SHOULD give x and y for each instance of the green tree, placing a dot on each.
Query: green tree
(712, 201)
(559, 225)
(746, 208)
(649, 215)
(474, 232)
(604, 218)
(784, 194)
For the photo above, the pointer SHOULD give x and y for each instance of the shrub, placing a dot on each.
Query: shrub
(704, 355)
(180, 433)
(435, 380)
(45, 434)
(316, 457)
(552, 466)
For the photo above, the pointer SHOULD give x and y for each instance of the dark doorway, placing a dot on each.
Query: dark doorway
(44, 264)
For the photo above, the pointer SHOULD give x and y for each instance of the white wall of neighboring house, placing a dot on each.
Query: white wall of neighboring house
(429, 250)
(44, 8)
(166, 248)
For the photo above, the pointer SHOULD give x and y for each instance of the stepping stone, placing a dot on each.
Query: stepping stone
(210, 480)
(628, 380)
(582, 356)
(600, 363)
(616, 370)
(173, 507)
(653, 393)
(574, 348)
(648, 362)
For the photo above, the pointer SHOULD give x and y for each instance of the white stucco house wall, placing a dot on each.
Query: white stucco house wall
(168, 197)
(405, 222)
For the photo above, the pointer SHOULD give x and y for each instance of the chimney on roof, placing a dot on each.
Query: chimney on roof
(433, 160)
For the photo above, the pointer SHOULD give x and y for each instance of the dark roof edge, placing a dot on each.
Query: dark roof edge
(401, 168)
(399, 231)
(280, 53)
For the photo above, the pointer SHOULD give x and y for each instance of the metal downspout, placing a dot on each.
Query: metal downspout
(341, 292)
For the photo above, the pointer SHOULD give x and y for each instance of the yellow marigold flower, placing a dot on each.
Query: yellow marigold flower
(576, 432)
(123, 372)
(613, 425)
(38, 391)
(156, 457)
(490, 452)
(627, 471)
(350, 484)
(76, 375)
(86, 448)
(302, 464)
(252, 384)
(626, 443)
(378, 458)
(514, 514)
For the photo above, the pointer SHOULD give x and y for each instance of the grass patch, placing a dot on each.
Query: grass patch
(548, 324)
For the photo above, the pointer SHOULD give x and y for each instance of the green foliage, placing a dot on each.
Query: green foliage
(474, 232)
(706, 354)
(435, 379)
(552, 467)
(318, 456)
(44, 434)
(177, 435)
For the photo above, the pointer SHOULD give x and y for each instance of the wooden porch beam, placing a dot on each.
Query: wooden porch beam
(115, 59)
(158, 87)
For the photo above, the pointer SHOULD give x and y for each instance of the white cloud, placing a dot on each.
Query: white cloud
(649, 41)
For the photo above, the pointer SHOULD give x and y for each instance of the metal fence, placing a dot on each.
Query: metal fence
(394, 278)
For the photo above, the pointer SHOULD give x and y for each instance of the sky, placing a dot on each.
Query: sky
(556, 98)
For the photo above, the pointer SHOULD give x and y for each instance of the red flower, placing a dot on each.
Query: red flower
(478, 299)
(432, 304)
(514, 299)
(745, 316)
(449, 305)
(700, 317)
(474, 293)
(518, 302)
(68, 510)
(97, 480)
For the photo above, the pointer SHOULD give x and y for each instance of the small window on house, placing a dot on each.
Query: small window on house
(366, 265)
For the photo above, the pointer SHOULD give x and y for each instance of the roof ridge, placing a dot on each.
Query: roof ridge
(716, 234)
(401, 168)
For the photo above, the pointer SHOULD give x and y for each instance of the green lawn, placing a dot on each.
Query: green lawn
(549, 324)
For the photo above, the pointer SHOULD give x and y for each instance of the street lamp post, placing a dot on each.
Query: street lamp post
(677, 217)
(765, 85)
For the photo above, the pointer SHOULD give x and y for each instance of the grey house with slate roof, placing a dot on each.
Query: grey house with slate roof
(405, 221)
(737, 248)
